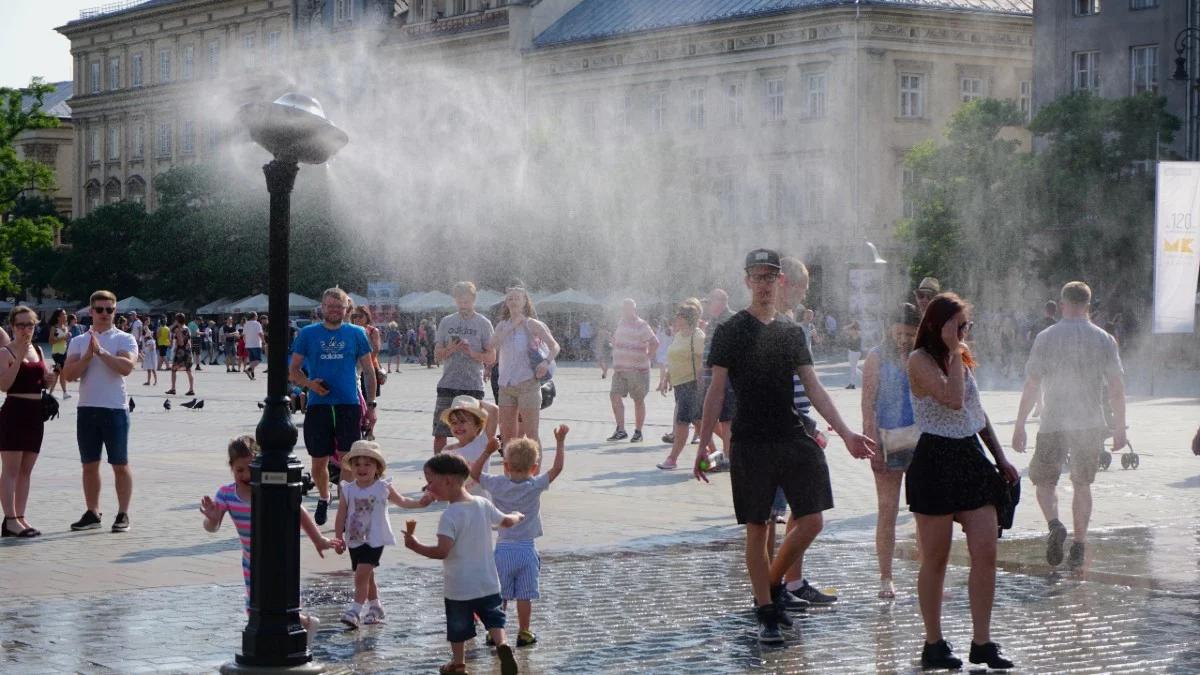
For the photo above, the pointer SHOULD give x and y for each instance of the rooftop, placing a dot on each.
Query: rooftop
(54, 104)
(112, 8)
(601, 19)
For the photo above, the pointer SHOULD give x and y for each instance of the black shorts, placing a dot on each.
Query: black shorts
(796, 465)
(59, 361)
(365, 555)
(330, 426)
(460, 616)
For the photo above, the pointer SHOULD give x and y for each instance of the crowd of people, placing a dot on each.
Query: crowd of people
(746, 378)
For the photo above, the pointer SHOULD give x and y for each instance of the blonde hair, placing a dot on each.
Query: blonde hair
(463, 414)
(336, 292)
(463, 287)
(102, 295)
(1077, 293)
(690, 311)
(530, 312)
(521, 454)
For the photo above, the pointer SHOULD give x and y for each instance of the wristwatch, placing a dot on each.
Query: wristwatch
(372, 404)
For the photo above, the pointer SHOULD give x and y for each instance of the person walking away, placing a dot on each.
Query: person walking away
(60, 335)
(950, 479)
(888, 420)
(1071, 363)
(101, 359)
(634, 346)
(252, 333)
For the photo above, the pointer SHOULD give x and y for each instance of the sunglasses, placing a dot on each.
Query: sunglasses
(964, 328)
(764, 278)
(24, 324)
(105, 310)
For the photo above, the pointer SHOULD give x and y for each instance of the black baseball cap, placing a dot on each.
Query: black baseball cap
(763, 256)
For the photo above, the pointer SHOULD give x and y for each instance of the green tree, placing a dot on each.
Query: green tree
(104, 251)
(18, 175)
(24, 244)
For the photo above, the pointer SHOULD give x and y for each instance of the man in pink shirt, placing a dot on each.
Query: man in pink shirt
(633, 345)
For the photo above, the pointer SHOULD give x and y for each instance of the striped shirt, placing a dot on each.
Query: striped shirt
(631, 342)
(228, 501)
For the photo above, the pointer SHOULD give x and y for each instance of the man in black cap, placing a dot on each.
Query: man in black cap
(771, 449)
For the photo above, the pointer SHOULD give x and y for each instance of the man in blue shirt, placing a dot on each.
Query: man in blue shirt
(329, 352)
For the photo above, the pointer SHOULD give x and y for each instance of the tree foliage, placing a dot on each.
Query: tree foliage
(992, 221)
(18, 175)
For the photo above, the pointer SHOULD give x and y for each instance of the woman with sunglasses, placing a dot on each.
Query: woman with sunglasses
(950, 480)
(23, 376)
(684, 361)
(518, 333)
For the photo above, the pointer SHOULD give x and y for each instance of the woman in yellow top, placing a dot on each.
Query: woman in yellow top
(685, 360)
(162, 338)
(60, 335)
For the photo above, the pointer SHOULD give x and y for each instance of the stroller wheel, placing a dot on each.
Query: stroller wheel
(1134, 460)
(1125, 461)
(1105, 460)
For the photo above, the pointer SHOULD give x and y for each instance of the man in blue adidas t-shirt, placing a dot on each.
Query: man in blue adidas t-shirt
(329, 352)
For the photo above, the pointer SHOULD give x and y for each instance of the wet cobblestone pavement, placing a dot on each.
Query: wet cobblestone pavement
(669, 609)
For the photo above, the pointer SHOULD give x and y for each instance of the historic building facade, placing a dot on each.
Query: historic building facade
(154, 82)
(54, 147)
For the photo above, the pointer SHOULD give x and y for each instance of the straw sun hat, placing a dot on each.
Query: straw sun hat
(467, 404)
(368, 449)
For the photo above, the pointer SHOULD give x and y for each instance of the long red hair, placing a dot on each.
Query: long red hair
(929, 334)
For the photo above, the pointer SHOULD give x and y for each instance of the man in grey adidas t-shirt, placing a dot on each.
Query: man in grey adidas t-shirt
(461, 347)
(1071, 362)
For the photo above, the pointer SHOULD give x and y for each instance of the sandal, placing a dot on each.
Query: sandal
(36, 532)
(667, 465)
(454, 669)
(23, 534)
(887, 590)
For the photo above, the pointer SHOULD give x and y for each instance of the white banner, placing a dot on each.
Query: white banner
(1176, 249)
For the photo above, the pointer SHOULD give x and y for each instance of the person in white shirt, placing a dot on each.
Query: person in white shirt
(252, 333)
(101, 359)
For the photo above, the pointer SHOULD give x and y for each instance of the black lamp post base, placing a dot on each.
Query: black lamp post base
(310, 668)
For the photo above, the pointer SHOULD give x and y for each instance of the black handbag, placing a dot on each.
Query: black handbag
(49, 406)
(1008, 510)
(548, 394)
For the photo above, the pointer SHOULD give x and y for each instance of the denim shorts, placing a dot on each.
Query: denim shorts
(254, 353)
(460, 616)
(102, 428)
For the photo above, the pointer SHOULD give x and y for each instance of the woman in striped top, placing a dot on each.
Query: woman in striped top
(234, 499)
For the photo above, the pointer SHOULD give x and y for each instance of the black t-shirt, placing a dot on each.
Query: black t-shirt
(761, 359)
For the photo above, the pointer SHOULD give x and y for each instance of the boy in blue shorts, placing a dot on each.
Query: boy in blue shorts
(520, 489)
(464, 546)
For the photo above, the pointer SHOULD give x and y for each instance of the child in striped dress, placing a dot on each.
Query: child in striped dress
(234, 499)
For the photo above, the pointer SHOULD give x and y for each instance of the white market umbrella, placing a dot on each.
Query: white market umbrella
(133, 304)
(568, 302)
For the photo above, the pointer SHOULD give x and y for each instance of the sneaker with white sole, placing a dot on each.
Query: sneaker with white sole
(374, 615)
(121, 524)
(350, 618)
(813, 596)
(90, 520)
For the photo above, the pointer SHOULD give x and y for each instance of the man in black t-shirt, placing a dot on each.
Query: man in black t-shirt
(758, 356)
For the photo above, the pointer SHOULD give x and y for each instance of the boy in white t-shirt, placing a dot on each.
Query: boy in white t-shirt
(472, 586)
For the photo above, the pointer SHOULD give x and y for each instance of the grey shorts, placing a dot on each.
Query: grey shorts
(632, 383)
(1080, 448)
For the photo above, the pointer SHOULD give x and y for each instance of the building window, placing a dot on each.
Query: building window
(1025, 99)
(94, 72)
(625, 113)
(777, 199)
(114, 143)
(908, 181)
(112, 191)
(587, 118)
(137, 146)
(93, 145)
(135, 189)
(775, 100)
(735, 103)
(93, 196)
(248, 49)
(912, 103)
(114, 74)
(164, 139)
(214, 57)
(1087, 71)
(814, 197)
(970, 88)
(187, 137)
(726, 200)
(212, 137)
(1143, 4)
(273, 43)
(164, 66)
(658, 111)
(343, 11)
(696, 108)
(189, 62)
(1144, 64)
(1086, 7)
(814, 95)
(135, 70)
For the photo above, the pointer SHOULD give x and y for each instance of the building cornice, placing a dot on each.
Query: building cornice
(185, 10)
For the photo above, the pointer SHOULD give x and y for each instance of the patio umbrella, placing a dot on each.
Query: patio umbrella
(133, 304)
(568, 302)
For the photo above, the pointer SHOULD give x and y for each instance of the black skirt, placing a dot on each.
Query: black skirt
(949, 475)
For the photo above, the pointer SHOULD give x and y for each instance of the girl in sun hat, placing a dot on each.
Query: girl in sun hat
(362, 524)
(473, 424)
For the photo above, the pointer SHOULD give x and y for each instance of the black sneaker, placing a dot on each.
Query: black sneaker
(121, 524)
(322, 513)
(777, 599)
(989, 653)
(938, 655)
(668, 437)
(813, 596)
(1075, 557)
(1054, 543)
(618, 435)
(636, 437)
(89, 521)
(768, 625)
(508, 663)
(791, 600)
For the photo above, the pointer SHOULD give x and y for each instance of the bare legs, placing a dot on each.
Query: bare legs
(122, 477)
(618, 408)
(764, 574)
(320, 475)
(935, 534)
(887, 496)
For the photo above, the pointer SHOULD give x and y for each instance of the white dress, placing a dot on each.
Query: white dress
(149, 354)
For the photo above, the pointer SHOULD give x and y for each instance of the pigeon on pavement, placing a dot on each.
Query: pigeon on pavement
(167, 404)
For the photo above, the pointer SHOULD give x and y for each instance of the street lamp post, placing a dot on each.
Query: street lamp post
(293, 129)
(1192, 34)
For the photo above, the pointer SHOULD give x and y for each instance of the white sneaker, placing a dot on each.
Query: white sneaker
(66, 396)
(350, 618)
(374, 615)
